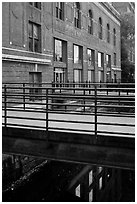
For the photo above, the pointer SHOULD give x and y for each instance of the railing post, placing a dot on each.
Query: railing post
(119, 100)
(73, 85)
(89, 88)
(60, 87)
(5, 105)
(84, 98)
(96, 111)
(47, 112)
(24, 96)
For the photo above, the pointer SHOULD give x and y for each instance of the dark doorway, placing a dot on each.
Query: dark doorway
(35, 80)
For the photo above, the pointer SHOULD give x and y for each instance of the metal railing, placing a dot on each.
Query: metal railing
(91, 108)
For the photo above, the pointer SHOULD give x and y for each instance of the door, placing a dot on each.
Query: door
(35, 80)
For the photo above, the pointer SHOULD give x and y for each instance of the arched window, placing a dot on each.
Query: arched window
(108, 33)
(100, 28)
(90, 22)
(114, 36)
(77, 18)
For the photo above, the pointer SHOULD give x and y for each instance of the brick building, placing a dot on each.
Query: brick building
(60, 41)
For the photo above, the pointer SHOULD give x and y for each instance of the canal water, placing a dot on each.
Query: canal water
(49, 184)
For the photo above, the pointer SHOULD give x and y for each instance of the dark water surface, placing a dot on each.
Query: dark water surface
(50, 184)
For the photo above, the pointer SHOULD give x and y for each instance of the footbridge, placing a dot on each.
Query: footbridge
(82, 123)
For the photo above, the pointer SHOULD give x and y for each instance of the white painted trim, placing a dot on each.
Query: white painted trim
(17, 50)
(25, 59)
(106, 12)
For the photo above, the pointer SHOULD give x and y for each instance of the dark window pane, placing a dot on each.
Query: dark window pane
(56, 12)
(30, 44)
(36, 45)
(37, 5)
(30, 30)
(59, 10)
(35, 31)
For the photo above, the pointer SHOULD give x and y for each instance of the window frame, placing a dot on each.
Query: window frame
(91, 62)
(108, 61)
(100, 28)
(101, 60)
(79, 54)
(108, 33)
(90, 22)
(33, 39)
(62, 51)
(58, 50)
(77, 16)
(60, 10)
(114, 37)
(36, 5)
(115, 59)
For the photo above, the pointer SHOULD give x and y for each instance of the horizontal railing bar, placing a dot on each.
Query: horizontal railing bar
(26, 118)
(74, 88)
(75, 130)
(50, 120)
(112, 106)
(69, 83)
(121, 133)
(70, 121)
(81, 96)
(116, 124)
(21, 125)
(116, 114)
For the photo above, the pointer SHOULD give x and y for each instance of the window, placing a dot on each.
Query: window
(77, 75)
(35, 80)
(114, 36)
(115, 59)
(100, 59)
(91, 196)
(77, 191)
(60, 50)
(108, 33)
(36, 4)
(77, 20)
(100, 28)
(91, 57)
(77, 54)
(108, 61)
(59, 75)
(34, 37)
(100, 183)
(60, 10)
(90, 177)
(90, 23)
(91, 76)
